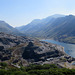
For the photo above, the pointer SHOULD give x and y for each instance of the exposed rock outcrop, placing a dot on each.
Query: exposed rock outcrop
(23, 50)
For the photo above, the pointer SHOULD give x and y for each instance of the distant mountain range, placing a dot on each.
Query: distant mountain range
(37, 25)
(6, 28)
(58, 27)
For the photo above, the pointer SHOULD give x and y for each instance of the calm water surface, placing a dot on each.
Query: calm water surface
(68, 48)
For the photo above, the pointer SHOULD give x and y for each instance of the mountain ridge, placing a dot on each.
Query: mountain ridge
(47, 19)
(61, 28)
(6, 28)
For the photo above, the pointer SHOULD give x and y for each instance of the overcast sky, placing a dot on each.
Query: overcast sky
(21, 12)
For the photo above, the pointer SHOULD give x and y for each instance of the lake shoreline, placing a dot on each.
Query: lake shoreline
(58, 41)
(68, 48)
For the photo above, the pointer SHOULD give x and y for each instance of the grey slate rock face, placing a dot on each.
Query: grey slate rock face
(22, 50)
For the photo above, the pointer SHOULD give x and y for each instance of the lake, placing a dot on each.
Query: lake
(68, 48)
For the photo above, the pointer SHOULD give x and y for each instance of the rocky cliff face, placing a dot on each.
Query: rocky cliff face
(23, 50)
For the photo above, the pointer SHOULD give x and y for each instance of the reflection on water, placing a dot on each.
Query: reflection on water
(68, 48)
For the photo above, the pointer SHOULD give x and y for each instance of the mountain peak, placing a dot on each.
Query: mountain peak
(35, 20)
(71, 15)
(57, 15)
